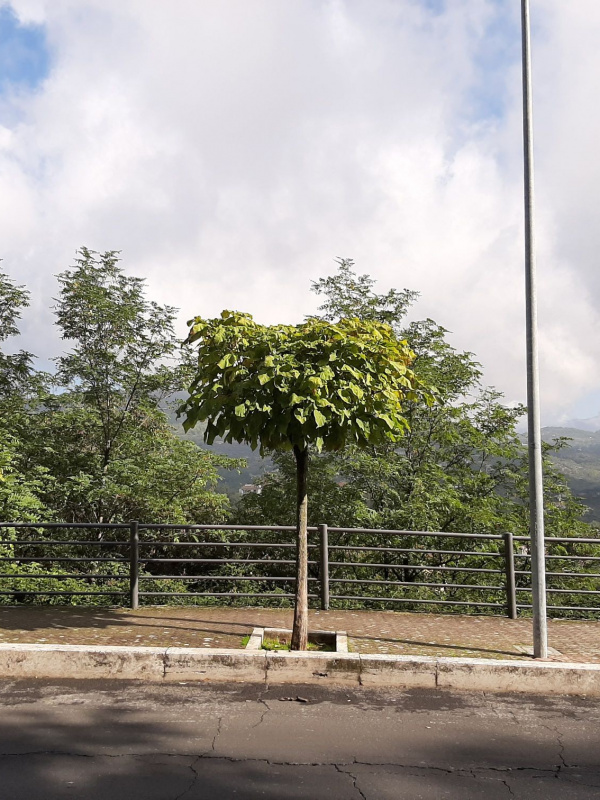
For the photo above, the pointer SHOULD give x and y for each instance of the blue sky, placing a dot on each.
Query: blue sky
(500, 48)
(233, 150)
(24, 55)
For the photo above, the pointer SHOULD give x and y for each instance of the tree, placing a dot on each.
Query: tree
(315, 385)
(15, 369)
(123, 358)
(455, 467)
(18, 492)
(460, 467)
(103, 439)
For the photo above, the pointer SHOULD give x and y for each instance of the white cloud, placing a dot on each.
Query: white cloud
(231, 150)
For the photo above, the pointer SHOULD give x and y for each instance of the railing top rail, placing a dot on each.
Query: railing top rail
(105, 525)
(68, 543)
(157, 526)
(561, 539)
(289, 528)
(450, 535)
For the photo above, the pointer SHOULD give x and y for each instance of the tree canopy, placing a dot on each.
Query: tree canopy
(319, 384)
(91, 443)
(461, 464)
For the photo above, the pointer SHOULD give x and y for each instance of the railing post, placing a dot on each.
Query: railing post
(324, 567)
(134, 557)
(509, 565)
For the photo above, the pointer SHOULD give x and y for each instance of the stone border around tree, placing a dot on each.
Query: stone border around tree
(339, 639)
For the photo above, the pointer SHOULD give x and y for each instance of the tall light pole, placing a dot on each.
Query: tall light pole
(534, 431)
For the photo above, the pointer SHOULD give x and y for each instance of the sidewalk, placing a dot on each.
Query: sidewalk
(369, 632)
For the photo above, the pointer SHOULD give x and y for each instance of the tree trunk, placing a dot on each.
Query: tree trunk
(300, 630)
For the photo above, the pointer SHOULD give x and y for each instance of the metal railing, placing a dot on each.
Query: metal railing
(348, 567)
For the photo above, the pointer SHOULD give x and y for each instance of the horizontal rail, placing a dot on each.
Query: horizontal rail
(372, 599)
(421, 534)
(186, 578)
(64, 593)
(569, 558)
(63, 543)
(265, 545)
(417, 567)
(420, 551)
(156, 527)
(220, 594)
(74, 559)
(50, 525)
(561, 540)
(565, 608)
(562, 574)
(214, 561)
(78, 575)
(550, 590)
(444, 586)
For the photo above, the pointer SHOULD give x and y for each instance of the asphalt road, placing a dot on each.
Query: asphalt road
(113, 741)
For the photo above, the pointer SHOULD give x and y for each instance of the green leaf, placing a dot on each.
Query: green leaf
(320, 418)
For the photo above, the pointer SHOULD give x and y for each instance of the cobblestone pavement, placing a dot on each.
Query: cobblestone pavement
(390, 632)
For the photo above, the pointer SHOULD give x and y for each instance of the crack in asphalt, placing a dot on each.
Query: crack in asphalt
(492, 703)
(354, 781)
(264, 713)
(344, 768)
(561, 749)
(260, 699)
(215, 737)
(195, 777)
(338, 764)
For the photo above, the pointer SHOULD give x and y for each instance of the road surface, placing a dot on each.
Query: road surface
(112, 741)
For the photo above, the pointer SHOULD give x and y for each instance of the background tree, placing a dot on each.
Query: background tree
(461, 466)
(102, 437)
(15, 369)
(18, 389)
(316, 385)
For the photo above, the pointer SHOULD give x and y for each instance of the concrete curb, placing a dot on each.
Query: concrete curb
(211, 665)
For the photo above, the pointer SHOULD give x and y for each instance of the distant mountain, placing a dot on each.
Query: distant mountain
(591, 424)
(580, 463)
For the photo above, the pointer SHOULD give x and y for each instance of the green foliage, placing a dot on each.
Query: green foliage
(19, 497)
(284, 386)
(319, 384)
(349, 295)
(332, 499)
(123, 354)
(348, 388)
(15, 369)
(99, 448)
(19, 493)
(461, 465)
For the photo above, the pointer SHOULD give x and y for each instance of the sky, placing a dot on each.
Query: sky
(233, 149)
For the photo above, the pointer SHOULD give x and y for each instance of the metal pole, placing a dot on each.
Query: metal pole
(324, 566)
(509, 567)
(534, 438)
(134, 556)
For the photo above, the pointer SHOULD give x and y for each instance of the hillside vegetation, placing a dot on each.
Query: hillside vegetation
(579, 462)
